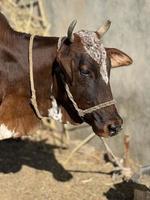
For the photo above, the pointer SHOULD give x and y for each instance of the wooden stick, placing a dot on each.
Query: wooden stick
(43, 13)
(126, 150)
(141, 194)
(30, 18)
(125, 171)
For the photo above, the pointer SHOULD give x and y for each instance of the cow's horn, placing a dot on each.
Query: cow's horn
(70, 30)
(103, 29)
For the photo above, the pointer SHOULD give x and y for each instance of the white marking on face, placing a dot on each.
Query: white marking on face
(103, 71)
(104, 75)
(5, 133)
(103, 67)
(55, 112)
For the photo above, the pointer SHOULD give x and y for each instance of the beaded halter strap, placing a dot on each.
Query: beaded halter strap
(95, 49)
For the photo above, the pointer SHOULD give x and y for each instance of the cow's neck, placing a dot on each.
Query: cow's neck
(46, 77)
(16, 112)
(17, 116)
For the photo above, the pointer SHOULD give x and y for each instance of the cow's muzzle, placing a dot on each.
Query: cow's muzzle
(110, 129)
(105, 125)
(113, 129)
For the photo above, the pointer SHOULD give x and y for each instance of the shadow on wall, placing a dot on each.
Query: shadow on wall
(15, 153)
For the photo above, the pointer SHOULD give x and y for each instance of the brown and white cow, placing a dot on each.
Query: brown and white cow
(71, 75)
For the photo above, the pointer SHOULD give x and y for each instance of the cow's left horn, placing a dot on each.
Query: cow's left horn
(103, 29)
(70, 30)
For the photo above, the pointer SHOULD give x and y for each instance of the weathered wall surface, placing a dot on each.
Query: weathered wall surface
(130, 32)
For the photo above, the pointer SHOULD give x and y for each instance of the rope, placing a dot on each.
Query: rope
(33, 92)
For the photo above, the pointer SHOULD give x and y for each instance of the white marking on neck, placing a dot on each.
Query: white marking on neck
(55, 111)
(5, 133)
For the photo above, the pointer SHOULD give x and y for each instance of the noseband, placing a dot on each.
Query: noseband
(80, 111)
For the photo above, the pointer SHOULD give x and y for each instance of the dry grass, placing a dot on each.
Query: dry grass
(26, 15)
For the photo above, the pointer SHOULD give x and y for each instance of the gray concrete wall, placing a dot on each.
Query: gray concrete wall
(130, 32)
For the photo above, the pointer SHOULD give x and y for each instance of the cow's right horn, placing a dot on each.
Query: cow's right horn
(103, 29)
(70, 30)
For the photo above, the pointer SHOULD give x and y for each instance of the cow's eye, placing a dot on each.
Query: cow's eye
(84, 72)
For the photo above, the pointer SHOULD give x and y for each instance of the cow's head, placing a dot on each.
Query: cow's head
(84, 64)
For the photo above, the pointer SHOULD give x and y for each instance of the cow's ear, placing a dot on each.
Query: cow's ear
(118, 58)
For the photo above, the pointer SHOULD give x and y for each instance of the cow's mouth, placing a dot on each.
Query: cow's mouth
(108, 130)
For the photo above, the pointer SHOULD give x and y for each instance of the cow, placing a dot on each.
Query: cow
(71, 80)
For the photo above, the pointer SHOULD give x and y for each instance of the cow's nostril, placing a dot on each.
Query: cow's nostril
(113, 129)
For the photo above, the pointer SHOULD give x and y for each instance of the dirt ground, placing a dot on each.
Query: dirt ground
(33, 169)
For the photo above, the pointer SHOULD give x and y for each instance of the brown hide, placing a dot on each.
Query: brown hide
(16, 111)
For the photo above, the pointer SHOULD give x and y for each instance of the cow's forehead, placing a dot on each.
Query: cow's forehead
(94, 47)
